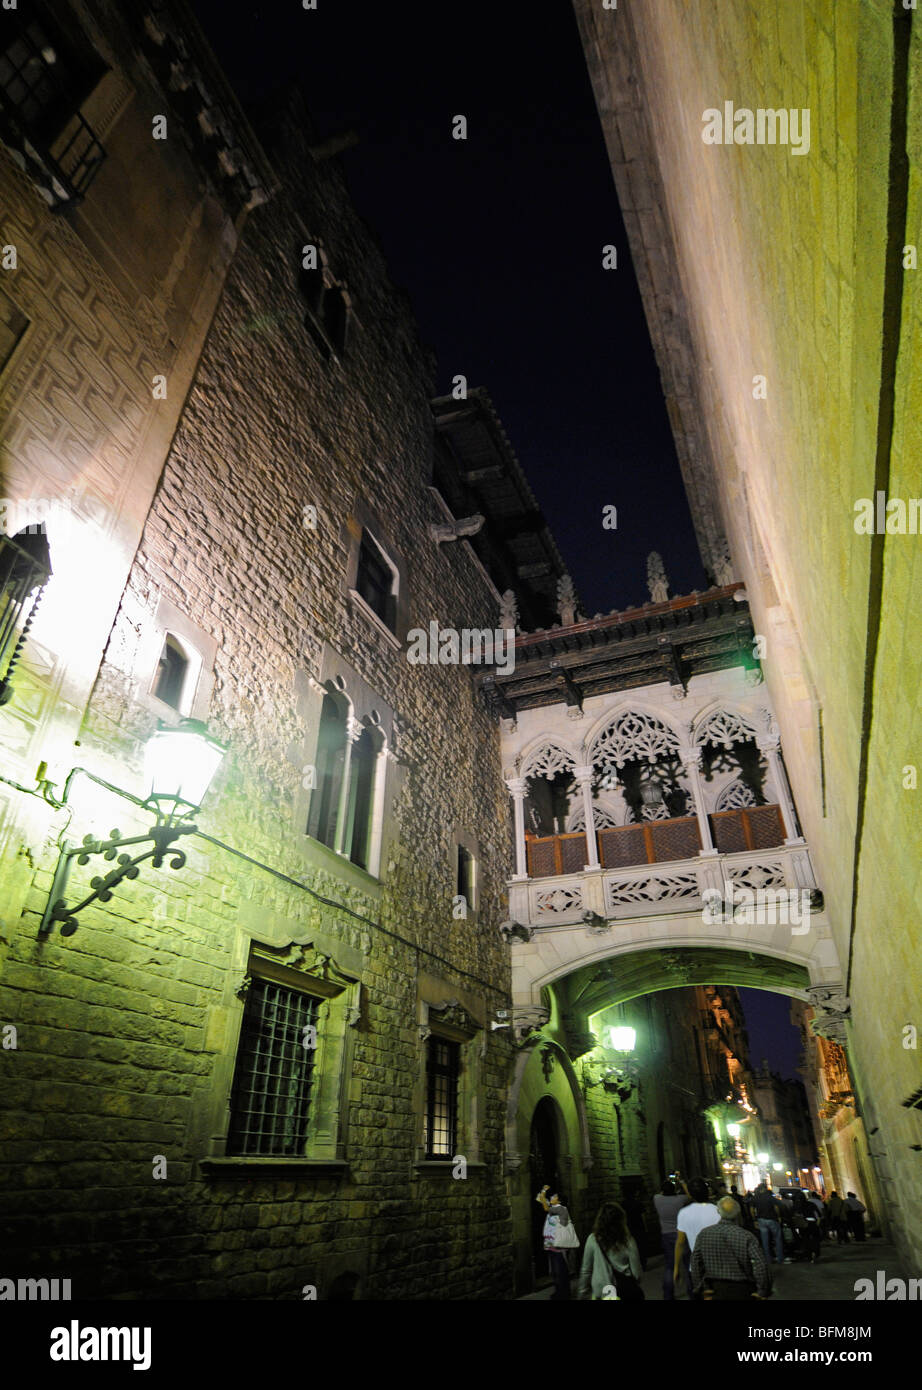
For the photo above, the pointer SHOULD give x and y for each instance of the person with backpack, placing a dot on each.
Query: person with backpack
(611, 1261)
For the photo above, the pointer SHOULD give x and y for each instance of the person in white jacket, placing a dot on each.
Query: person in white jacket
(611, 1260)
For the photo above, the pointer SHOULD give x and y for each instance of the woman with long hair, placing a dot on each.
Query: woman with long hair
(611, 1261)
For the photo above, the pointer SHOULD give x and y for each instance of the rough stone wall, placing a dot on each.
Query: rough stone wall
(137, 1012)
(754, 261)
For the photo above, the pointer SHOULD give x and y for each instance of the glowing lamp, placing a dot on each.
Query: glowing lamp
(778, 1167)
(733, 1131)
(179, 764)
(762, 1158)
(622, 1039)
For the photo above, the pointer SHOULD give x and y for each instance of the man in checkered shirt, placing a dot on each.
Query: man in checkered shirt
(728, 1262)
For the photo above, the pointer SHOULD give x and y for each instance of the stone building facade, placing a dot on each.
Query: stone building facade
(278, 1069)
(784, 302)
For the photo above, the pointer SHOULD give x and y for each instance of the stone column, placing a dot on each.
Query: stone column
(354, 730)
(518, 786)
(691, 762)
(770, 745)
(583, 776)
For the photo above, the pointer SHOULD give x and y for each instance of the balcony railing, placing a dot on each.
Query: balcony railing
(645, 889)
(657, 842)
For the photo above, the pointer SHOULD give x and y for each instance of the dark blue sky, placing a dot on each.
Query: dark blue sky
(771, 1033)
(498, 240)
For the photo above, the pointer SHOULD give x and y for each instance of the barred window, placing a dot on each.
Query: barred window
(443, 1066)
(271, 1096)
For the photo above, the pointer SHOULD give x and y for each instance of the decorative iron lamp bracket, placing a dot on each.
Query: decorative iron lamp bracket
(163, 834)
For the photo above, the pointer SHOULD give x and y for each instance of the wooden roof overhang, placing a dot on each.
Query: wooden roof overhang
(670, 641)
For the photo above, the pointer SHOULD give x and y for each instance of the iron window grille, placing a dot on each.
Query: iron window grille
(43, 80)
(273, 1078)
(25, 568)
(443, 1068)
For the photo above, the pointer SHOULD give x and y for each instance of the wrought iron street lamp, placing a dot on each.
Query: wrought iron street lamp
(179, 763)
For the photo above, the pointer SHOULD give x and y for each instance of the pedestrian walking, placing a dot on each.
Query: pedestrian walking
(854, 1214)
(746, 1219)
(692, 1219)
(767, 1211)
(836, 1224)
(559, 1239)
(728, 1262)
(668, 1203)
(611, 1260)
(807, 1225)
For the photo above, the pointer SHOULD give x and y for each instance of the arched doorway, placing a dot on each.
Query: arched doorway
(543, 1168)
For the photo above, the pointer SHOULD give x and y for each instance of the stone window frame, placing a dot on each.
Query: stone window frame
(451, 1014)
(363, 519)
(464, 839)
(365, 709)
(309, 967)
(200, 651)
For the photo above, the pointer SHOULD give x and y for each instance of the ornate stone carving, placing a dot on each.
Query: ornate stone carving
(832, 1009)
(527, 1022)
(720, 558)
(657, 582)
(515, 931)
(734, 796)
(547, 761)
(509, 612)
(242, 987)
(723, 728)
(566, 601)
(595, 923)
(453, 1012)
(454, 530)
(633, 734)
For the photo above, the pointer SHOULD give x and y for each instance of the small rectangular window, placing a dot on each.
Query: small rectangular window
(271, 1097)
(376, 581)
(443, 1066)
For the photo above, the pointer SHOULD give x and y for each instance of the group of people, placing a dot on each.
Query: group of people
(722, 1243)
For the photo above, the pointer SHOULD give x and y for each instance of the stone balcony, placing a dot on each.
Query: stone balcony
(662, 884)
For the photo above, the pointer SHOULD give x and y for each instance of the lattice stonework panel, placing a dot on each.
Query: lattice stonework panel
(757, 876)
(735, 796)
(653, 892)
(618, 848)
(547, 761)
(633, 735)
(766, 827)
(554, 902)
(675, 839)
(723, 728)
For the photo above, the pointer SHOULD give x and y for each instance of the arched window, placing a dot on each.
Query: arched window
(331, 757)
(360, 809)
(172, 673)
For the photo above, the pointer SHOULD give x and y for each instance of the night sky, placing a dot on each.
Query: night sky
(498, 240)
(771, 1033)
